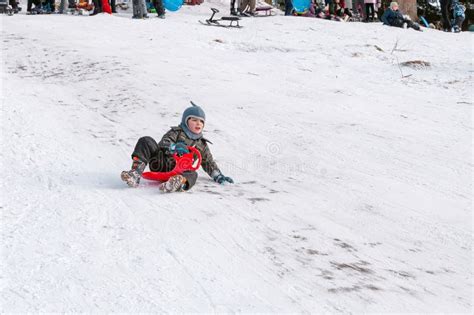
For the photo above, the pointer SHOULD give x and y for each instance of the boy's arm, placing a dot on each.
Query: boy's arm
(169, 138)
(208, 164)
(384, 17)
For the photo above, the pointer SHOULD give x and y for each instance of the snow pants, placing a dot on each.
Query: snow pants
(410, 24)
(458, 21)
(148, 151)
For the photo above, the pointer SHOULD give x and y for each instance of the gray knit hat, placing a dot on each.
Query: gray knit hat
(192, 112)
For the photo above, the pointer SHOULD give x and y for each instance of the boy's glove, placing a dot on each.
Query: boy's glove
(221, 179)
(179, 148)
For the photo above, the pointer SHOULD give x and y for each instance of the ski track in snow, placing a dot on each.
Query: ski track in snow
(353, 185)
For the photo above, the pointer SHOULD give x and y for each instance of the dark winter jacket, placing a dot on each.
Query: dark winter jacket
(177, 134)
(390, 17)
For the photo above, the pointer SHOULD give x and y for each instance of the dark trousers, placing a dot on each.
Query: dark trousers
(148, 151)
(399, 23)
(97, 6)
(113, 7)
(369, 10)
(458, 21)
(445, 7)
(331, 6)
(288, 7)
(158, 4)
(30, 3)
(13, 4)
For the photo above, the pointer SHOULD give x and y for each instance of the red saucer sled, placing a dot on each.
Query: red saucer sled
(187, 162)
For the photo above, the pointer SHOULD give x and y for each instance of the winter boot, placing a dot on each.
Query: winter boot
(416, 27)
(174, 183)
(132, 177)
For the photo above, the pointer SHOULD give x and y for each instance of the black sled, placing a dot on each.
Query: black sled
(216, 22)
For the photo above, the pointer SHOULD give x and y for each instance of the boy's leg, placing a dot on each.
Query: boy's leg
(180, 182)
(132, 177)
(191, 178)
(398, 23)
(145, 149)
(459, 21)
(413, 25)
(148, 151)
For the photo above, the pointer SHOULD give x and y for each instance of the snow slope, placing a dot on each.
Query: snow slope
(353, 184)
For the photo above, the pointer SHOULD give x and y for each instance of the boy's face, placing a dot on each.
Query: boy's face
(195, 125)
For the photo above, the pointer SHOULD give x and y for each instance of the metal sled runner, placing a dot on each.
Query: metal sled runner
(216, 22)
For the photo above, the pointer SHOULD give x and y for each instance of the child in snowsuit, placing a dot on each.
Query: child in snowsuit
(458, 13)
(393, 17)
(159, 156)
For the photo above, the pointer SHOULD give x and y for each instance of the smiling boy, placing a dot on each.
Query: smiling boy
(159, 156)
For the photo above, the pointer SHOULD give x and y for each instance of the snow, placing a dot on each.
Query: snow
(353, 173)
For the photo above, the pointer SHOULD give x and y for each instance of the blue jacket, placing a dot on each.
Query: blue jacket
(389, 16)
(458, 10)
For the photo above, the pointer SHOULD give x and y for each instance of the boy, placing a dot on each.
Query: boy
(159, 156)
(393, 17)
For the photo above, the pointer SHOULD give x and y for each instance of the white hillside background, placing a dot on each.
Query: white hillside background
(353, 185)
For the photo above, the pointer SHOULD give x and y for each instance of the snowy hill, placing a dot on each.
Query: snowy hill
(353, 172)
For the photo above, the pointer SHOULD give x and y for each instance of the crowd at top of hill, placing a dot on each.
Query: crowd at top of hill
(452, 12)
